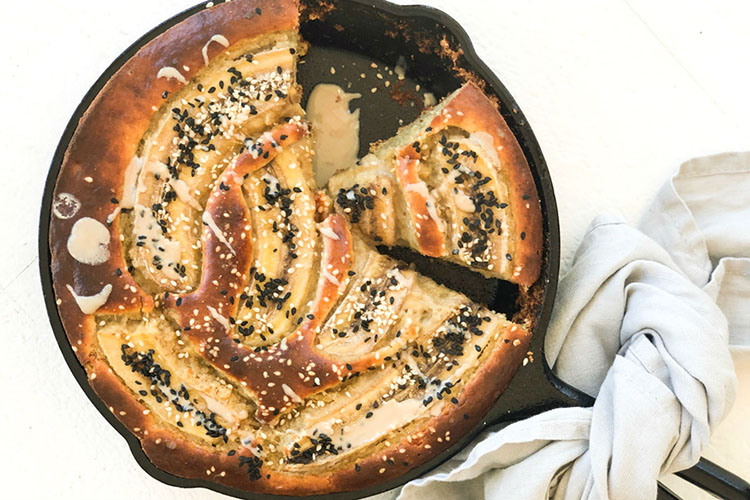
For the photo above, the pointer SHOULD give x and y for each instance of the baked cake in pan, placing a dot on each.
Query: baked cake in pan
(238, 320)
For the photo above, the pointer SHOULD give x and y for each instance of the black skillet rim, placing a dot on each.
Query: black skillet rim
(532, 151)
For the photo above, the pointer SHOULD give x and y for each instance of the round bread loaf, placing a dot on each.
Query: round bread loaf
(236, 319)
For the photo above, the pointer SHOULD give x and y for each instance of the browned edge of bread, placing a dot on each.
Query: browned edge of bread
(472, 110)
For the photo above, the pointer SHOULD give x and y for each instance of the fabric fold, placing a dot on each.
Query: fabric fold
(643, 321)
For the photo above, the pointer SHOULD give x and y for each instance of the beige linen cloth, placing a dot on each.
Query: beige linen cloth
(644, 320)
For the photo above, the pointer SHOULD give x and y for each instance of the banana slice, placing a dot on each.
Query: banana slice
(282, 211)
(132, 349)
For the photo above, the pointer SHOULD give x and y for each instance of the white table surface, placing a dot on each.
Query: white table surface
(619, 92)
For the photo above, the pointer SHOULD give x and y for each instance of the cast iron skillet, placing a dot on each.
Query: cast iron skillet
(349, 35)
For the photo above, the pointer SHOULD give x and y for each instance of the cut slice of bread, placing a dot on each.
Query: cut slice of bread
(454, 185)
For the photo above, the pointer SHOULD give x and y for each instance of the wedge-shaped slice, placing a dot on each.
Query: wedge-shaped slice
(454, 185)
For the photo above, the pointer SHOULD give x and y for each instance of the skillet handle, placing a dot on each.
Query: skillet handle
(716, 480)
(664, 493)
(705, 474)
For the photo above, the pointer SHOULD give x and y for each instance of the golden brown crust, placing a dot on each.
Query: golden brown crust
(430, 234)
(103, 145)
(280, 363)
(471, 110)
(174, 454)
(107, 138)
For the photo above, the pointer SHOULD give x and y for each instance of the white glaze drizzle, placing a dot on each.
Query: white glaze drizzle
(183, 193)
(88, 242)
(180, 187)
(292, 395)
(330, 277)
(88, 304)
(170, 72)
(328, 233)
(111, 217)
(129, 183)
(65, 206)
(336, 130)
(390, 416)
(485, 143)
(220, 39)
(272, 182)
(220, 409)
(218, 317)
(209, 221)
(463, 202)
(421, 188)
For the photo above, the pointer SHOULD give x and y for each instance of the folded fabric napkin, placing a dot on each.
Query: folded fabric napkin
(644, 321)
